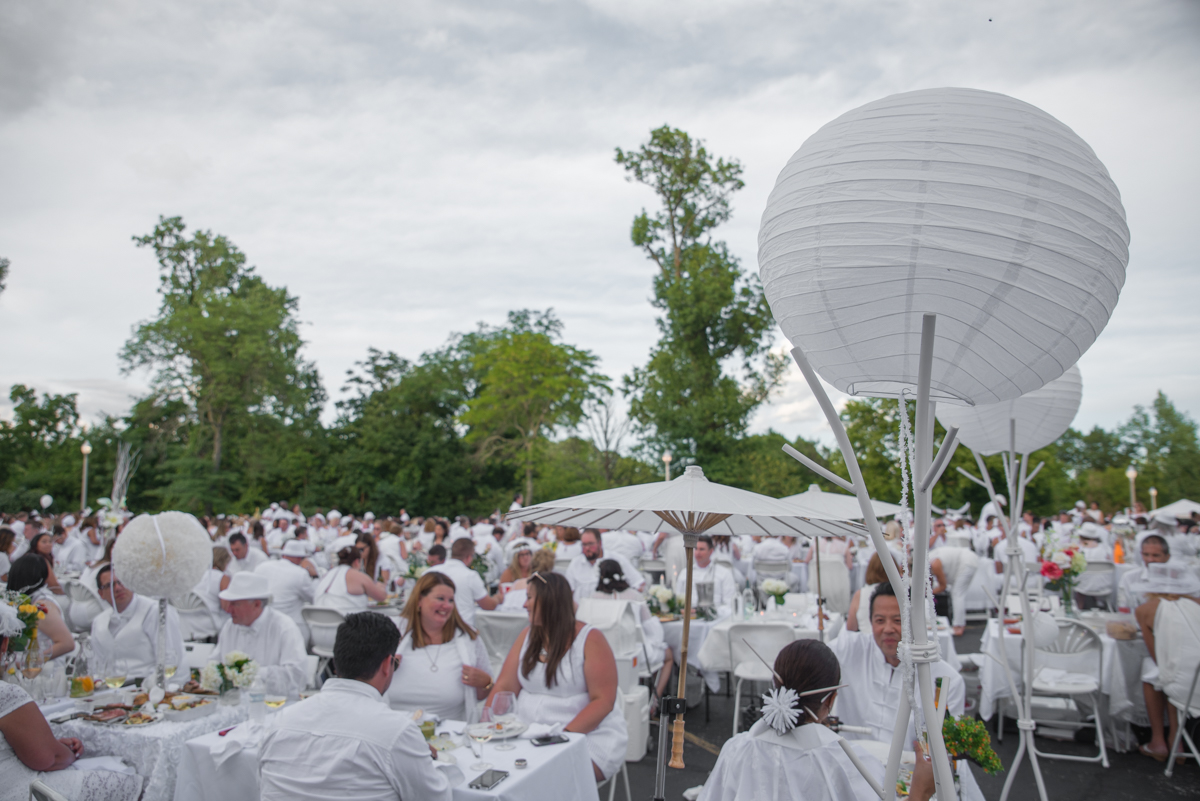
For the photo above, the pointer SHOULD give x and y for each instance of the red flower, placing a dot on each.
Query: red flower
(1069, 551)
(1051, 571)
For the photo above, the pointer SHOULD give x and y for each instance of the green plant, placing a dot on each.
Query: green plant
(968, 738)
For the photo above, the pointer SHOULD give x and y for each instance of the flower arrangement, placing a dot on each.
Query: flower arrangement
(775, 588)
(236, 670)
(968, 738)
(480, 566)
(28, 613)
(662, 600)
(1061, 569)
(416, 564)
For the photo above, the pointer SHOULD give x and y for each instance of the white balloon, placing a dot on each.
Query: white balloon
(163, 566)
(1041, 416)
(971, 205)
(46, 500)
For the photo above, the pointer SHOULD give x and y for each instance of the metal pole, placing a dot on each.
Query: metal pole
(162, 643)
(820, 597)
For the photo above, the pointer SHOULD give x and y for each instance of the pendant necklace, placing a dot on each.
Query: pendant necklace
(433, 668)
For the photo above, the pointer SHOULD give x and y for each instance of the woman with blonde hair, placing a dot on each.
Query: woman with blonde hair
(520, 563)
(444, 667)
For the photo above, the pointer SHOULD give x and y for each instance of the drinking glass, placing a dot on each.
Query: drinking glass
(504, 710)
(277, 692)
(116, 671)
(30, 668)
(480, 733)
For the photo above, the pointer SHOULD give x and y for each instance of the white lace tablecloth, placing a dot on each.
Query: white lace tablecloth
(153, 750)
(1120, 680)
(555, 772)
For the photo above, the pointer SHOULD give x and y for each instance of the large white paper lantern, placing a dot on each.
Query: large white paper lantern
(1042, 416)
(972, 205)
(163, 555)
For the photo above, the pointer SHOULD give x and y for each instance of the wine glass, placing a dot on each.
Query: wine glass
(276, 694)
(115, 673)
(480, 733)
(504, 710)
(31, 667)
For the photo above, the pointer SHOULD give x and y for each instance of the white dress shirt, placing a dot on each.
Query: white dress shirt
(132, 636)
(468, 588)
(254, 558)
(623, 543)
(583, 576)
(291, 586)
(273, 641)
(345, 742)
(70, 555)
(721, 577)
(875, 686)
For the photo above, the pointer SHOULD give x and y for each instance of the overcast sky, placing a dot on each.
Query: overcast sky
(411, 169)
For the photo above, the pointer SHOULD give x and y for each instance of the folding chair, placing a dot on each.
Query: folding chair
(195, 618)
(1075, 646)
(767, 639)
(323, 623)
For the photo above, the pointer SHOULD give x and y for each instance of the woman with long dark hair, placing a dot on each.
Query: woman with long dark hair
(28, 576)
(346, 586)
(563, 671)
(444, 667)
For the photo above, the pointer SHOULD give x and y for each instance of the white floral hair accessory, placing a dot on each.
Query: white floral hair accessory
(10, 624)
(779, 709)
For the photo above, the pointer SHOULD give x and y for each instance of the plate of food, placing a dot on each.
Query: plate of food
(107, 715)
(192, 687)
(190, 707)
(141, 718)
(499, 730)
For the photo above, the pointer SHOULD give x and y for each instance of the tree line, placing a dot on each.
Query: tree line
(233, 421)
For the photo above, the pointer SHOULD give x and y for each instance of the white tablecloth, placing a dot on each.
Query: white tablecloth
(153, 750)
(1120, 681)
(555, 772)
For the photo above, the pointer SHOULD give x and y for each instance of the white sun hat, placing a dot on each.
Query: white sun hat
(246, 587)
(1167, 578)
(294, 548)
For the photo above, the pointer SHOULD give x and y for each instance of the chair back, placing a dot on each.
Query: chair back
(561, 565)
(196, 654)
(1177, 651)
(835, 583)
(40, 791)
(322, 622)
(196, 620)
(772, 568)
(499, 631)
(617, 620)
(84, 606)
(1076, 649)
(768, 639)
(1098, 579)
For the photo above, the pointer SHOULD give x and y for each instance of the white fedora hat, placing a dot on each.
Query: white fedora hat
(294, 548)
(246, 587)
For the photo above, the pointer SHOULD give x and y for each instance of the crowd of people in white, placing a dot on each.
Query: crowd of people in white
(268, 567)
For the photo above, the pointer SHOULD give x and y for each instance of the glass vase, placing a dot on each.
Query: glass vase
(1068, 602)
(231, 697)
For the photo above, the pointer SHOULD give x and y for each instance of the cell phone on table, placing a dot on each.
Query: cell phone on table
(488, 779)
(550, 739)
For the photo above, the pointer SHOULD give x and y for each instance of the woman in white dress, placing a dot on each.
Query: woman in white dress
(444, 668)
(789, 753)
(215, 579)
(28, 577)
(612, 585)
(374, 563)
(29, 752)
(563, 671)
(346, 587)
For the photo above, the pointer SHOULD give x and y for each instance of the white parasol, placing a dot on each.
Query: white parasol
(838, 505)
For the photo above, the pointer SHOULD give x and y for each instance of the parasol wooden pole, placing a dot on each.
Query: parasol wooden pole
(689, 544)
(820, 597)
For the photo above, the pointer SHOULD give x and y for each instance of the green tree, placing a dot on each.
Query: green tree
(712, 314)
(530, 385)
(1161, 442)
(223, 341)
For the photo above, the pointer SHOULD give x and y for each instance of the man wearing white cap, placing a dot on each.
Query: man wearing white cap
(267, 635)
(290, 583)
(128, 629)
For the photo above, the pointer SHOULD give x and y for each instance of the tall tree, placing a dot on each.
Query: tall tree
(530, 384)
(712, 313)
(224, 341)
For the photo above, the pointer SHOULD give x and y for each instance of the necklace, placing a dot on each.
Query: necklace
(433, 668)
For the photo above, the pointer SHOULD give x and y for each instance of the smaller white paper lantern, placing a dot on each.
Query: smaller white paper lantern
(1042, 416)
(46, 501)
(163, 555)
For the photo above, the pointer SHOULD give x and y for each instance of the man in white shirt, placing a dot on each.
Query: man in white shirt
(1155, 550)
(871, 666)
(469, 592)
(125, 634)
(267, 635)
(624, 543)
(581, 572)
(26, 532)
(290, 582)
(245, 559)
(704, 569)
(69, 552)
(345, 741)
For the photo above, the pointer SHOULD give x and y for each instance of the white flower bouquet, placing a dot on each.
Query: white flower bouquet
(774, 587)
(237, 670)
(416, 565)
(662, 600)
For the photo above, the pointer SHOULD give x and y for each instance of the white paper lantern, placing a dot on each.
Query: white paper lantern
(972, 205)
(163, 566)
(1042, 416)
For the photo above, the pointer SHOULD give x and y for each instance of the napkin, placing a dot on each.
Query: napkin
(245, 735)
(101, 763)
(52, 709)
(541, 730)
(1057, 676)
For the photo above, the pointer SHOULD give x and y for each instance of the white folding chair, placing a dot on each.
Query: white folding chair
(618, 621)
(767, 639)
(1177, 653)
(835, 583)
(1099, 581)
(1077, 647)
(561, 565)
(40, 791)
(499, 630)
(323, 623)
(196, 654)
(84, 607)
(611, 782)
(313, 666)
(196, 620)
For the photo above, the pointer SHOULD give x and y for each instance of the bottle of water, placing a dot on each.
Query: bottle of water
(257, 695)
(748, 604)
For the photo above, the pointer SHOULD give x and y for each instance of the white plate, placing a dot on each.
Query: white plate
(509, 731)
(192, 713)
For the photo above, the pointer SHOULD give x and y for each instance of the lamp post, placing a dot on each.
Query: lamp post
(85, 449)
(1131, 474)
(1153, 500)
(667, 465)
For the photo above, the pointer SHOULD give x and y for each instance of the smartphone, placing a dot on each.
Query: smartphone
(488, 779)
(550, 740)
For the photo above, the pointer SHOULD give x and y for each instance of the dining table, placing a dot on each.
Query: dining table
(215, 768)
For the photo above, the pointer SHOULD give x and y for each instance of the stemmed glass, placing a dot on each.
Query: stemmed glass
(30, 667)
(115, 672)
(480, 733)
(504, 710)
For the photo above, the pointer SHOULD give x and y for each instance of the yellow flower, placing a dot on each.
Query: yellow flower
(27, 608)
(41, 615)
